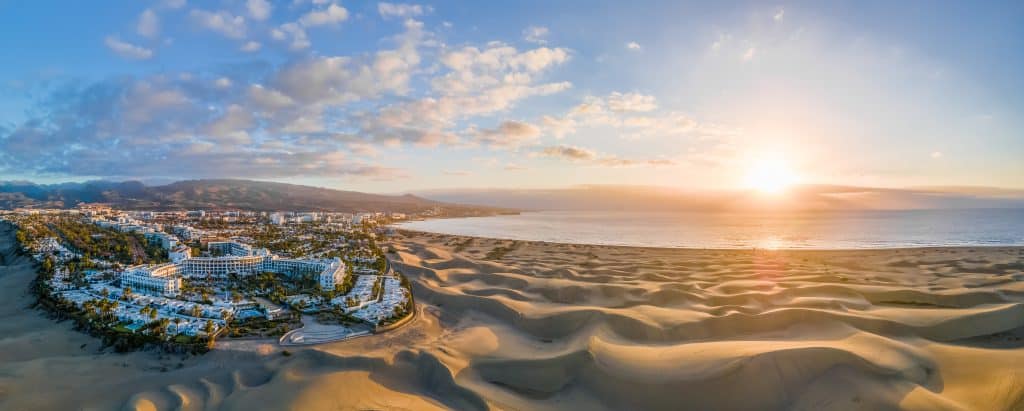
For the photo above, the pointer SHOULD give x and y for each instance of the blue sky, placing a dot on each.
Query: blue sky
(391, 97)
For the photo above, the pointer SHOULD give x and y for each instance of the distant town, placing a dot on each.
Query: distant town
(181, 280)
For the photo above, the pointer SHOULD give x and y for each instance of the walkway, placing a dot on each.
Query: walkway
(313, 332)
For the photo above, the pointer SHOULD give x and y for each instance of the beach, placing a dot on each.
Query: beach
(508, 324)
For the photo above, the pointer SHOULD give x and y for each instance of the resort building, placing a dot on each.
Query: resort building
(156, 279)
(165, 240)
(179, 253)
(221, 266)
(235, 258)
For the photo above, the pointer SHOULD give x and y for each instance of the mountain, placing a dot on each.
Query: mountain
(798, 198)
(217, 194)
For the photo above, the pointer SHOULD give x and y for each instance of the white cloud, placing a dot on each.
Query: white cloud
(636, 102)
(332, 14)
(231, 126)
(404, 10)
(258, 9)
(298, 118)
(251, 46)
(633, 46)
(536, 34)
(779, 15)
(127, 50)
(294, 32)
(558, 127)
(149, 24)
(221, 22)
(269, 99)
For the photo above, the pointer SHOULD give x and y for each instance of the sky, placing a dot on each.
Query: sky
(392, 97)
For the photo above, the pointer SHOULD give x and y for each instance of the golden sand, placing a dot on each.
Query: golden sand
(522, 325)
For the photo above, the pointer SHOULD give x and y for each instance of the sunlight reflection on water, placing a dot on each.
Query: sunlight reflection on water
(829, 230)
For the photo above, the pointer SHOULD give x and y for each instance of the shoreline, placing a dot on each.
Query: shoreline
(752, 249)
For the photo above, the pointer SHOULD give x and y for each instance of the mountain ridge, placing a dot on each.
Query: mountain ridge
(214, 194)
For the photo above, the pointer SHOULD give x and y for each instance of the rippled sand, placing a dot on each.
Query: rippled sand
(506, 325)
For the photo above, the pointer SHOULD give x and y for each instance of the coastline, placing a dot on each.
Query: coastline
(876, 229)
(761, 249)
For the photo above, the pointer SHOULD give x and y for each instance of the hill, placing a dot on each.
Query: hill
(217, 194)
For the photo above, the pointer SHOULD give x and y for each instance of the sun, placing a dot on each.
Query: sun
(770, 175)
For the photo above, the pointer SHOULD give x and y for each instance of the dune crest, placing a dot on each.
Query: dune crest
(519, 325)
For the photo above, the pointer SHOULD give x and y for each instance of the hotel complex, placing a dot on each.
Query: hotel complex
(232, 258)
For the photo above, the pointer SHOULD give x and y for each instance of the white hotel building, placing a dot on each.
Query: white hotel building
(237, 259)
(155, 279)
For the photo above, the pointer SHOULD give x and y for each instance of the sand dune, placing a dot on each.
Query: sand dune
(520, 325)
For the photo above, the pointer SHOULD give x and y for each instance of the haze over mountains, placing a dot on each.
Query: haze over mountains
(269, 196)
(211, 194)
(800, 198)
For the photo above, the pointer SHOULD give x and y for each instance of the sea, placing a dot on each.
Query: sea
(805, 230)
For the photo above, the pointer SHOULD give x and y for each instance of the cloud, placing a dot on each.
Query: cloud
(633, 46)
(404, 10)
(632, 114)
(583, 155)
(558, 127)
(251, 46)
(363, 149)
(631, 102)
(293, 32)
(259, 10)
(779, 15)
(332, 14)
(149, 24)
(231, 126)
(936, 154)
(221, 22)
(535, 34)
(127, 50)
(568, 152)
(508, 134)
(311, 115)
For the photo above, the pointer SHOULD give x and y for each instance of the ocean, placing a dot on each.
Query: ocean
(806, 230)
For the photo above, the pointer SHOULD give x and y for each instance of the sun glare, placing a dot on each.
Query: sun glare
(770, 176)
